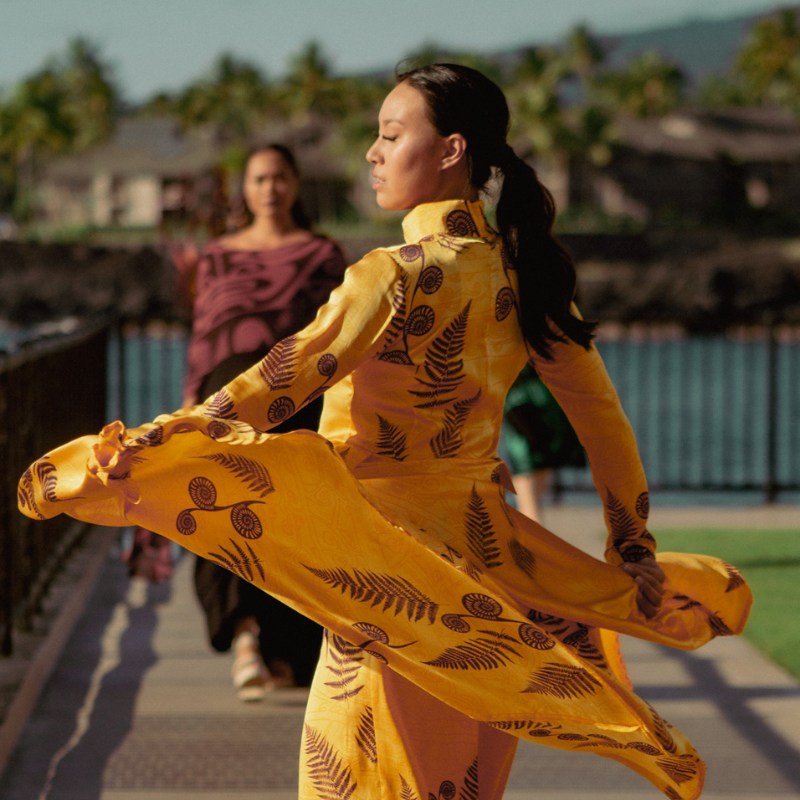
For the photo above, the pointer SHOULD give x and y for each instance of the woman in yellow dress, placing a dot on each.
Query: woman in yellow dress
(455, 625)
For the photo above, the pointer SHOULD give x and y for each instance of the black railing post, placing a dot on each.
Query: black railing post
(6, 549)
(771, 486)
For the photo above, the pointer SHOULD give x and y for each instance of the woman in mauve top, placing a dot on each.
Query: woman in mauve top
(253, 288)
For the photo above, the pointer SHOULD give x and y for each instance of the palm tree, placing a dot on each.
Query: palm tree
(534, 97)
(584, 53)
(649, 86)
(93, 99)
(310, 86)
(37, 124)
(233, 100)
(769, 62)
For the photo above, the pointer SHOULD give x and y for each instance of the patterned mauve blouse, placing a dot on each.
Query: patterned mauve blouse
(246, 300)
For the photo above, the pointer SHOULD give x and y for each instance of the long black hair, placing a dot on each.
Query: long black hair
(462, 100)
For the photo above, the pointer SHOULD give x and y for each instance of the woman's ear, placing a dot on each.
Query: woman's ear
(455, 150)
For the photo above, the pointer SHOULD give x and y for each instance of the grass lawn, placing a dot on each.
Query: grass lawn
(770, 561)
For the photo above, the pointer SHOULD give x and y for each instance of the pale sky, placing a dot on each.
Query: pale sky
(165, 44)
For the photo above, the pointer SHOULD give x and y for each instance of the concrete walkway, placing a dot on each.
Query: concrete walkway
(124, 701)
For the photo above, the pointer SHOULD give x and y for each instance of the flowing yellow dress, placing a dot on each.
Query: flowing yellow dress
(456, 626)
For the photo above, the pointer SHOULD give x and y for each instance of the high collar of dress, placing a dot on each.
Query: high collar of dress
(459, 218)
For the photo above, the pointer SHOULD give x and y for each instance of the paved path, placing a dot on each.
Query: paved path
(137, 708)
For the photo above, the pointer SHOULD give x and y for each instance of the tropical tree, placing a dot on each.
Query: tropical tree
(648, 86)
(724, 91)
(535, 99)
(92, 100)
(584, 53)
(769, 63)
(310, 86)
(232, 100)
(36, 124)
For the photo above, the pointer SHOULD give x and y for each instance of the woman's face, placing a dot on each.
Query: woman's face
(270, 185)
(407, 156)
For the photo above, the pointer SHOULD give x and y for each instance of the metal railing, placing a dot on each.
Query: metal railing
(713, 413)
(50, 391)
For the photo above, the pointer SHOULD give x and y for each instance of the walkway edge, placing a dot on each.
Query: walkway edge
(50, 650)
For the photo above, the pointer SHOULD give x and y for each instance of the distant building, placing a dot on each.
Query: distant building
(693, 165)
(150, 174)
(145, 172)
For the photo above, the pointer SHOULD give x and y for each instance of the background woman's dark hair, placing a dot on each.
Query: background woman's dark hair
(299, 216)
(462, 100)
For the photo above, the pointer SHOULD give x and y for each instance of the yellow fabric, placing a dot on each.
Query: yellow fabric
(390, 527)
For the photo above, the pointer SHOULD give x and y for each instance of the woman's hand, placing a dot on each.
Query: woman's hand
(649, 578)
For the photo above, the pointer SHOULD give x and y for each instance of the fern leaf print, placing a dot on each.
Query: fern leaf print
(622, 523)
(277, 368)
(244, 563)
(490, 651)
(562, 681)
(448, 441)
(481, 537)
(26, 496)
(365, 736)
(523, 557)
(443, 365)
(735, 578)
(252, 473)
(391, 440)
(406, 791)
(400, 305)
(331, 778)
(470, 788)
(46, 473)
(395, 593)
(344, 665)
(221, 406)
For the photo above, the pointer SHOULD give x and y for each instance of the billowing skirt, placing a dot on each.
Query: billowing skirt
(425, 569)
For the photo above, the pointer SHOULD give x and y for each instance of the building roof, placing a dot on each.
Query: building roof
(744, 135)
(141, 145)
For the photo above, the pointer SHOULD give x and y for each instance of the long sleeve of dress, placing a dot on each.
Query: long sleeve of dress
(580, 383)
(345, 331)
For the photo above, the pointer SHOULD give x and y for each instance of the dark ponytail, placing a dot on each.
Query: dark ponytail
(463, 100)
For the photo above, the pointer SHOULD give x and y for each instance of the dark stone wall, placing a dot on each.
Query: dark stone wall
(703, 280)
(41, 282)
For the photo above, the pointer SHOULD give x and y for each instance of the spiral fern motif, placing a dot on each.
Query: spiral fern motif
(217, 429)
(410, 252)
(372, 632)
(431, 279)
(186, 523)
(245, 522)
(534, 638)
(280, 409)
(420, 321)
(482, 606)
(455, 623)
(327, 365)
(203, 493)
(504, 303)
(460, 223)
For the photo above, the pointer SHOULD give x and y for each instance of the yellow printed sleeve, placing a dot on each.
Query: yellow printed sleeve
(580, 383)
(346, 331)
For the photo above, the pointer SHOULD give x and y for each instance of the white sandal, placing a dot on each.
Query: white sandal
(251, 678)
